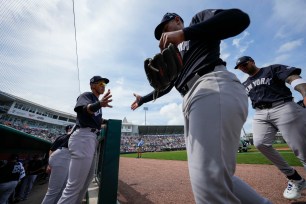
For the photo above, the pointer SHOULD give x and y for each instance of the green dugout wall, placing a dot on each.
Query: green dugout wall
(14, 141)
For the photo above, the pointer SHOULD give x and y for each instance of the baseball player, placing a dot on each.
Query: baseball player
(59, 159)
(140, 144)
(34, 167)
(83, 142)
(215, 105)
(276, 111)
(11, 172)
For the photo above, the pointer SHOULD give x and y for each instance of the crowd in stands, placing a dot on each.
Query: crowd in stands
(40, 132)
(153, 143)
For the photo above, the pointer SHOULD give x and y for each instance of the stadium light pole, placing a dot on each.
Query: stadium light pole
(145, 109)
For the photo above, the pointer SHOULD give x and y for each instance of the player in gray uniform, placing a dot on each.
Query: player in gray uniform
(215, 105)
(83, 142)
(276, 111)
(59, 159)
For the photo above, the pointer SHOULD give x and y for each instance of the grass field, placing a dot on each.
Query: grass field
(253, 156)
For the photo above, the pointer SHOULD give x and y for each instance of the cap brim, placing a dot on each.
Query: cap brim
(159, 30)
(105, 80)
(236, 67)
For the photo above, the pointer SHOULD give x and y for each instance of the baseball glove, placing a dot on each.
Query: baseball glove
(301, 103)
(163, 68)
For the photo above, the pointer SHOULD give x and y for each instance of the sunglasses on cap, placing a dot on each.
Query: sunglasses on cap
(101, 83)
(244, 64)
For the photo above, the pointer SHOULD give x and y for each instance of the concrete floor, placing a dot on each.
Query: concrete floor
(40, 188)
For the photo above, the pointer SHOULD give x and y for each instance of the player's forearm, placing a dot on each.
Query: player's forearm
(225, 24)
(92, 108)
(298, 84)
(302, 89)
(150, 97)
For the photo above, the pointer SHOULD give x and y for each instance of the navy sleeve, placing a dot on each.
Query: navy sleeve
(217, 24)
(150, 96)
(83, 100)
(56, 144)
(283, 72)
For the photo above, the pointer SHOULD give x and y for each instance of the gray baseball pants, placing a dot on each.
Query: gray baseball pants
(82, 146)
(215, 109)
(290, 119)
(59, 162)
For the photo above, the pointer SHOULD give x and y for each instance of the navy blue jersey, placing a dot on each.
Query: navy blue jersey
(198, 54)
(85, 119)
(269, 84)
(201, 49)
(12, 171)
(61, 141)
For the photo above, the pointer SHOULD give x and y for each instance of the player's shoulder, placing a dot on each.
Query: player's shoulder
(270, 68)
(283, 68)
(204, 15)
(279, 66)
(87, 94)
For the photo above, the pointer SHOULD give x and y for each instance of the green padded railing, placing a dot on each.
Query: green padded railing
(108, 162)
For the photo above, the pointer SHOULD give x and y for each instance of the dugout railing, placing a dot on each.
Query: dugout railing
(107, 168)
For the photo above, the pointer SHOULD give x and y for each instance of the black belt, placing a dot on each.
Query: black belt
(195, 77)
(94, 130)
(272, 104)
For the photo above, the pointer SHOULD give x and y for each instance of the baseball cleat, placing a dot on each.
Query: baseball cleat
(294, 188)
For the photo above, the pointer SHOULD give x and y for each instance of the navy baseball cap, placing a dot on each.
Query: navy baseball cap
(95, 79)
(166, 18)
(68, 127)
(242, 60)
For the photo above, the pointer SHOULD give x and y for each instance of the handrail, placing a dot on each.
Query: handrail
(107, 168)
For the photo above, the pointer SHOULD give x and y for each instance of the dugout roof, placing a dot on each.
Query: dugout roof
(14, 140)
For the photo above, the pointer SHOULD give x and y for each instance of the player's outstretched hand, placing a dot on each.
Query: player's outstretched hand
(135, 104)
(106, 99)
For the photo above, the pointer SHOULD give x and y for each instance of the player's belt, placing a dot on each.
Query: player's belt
(200, 73)
(94, 130)
(273, 104)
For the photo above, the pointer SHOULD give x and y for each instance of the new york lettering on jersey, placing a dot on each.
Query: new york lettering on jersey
(268, 85)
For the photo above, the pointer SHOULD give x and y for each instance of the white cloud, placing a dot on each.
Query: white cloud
(223, 51)
(289, 46)
(281, 59)
(173, 112)
(242, 43)
(288, 17)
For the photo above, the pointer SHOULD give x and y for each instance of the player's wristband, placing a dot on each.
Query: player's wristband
(95, 106)
(296, 82)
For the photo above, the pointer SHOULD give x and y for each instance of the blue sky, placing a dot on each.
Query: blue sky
(38, 53)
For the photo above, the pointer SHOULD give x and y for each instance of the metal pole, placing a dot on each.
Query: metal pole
(244, 131)
(145, 109)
